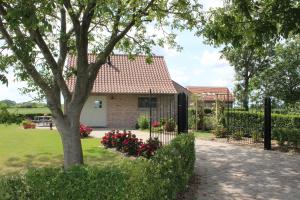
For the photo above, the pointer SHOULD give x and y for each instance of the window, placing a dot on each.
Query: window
(143, 102)
(98, 104)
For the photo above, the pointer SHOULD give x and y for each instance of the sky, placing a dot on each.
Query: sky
(196, 65)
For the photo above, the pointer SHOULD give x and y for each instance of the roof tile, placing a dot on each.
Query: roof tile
(129, 76)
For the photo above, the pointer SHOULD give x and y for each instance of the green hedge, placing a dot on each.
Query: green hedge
(12, 118)
(159, 178)
(289, 137)
(252, 120)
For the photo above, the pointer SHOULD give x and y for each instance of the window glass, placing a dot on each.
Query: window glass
(143, 102)
(98, 104)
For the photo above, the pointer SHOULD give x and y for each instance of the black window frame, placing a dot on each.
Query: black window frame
(143, 102)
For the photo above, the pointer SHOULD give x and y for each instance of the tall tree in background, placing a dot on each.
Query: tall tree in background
(248, 30)
(282, 79)
(248, 62)
(37, 36)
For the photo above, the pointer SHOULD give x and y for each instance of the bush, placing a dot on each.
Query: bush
(8, 118)
(175, 165)
(148, 149)
(27, 124)
(251, 120)
(85, 130)
(143, 122)
(170, 125)
(237, 135)
(192, 119)
(209, 123)
(256, 136)
(160, 178)
(124, 142)
(287, 137)
(131, 145)
(219, 131)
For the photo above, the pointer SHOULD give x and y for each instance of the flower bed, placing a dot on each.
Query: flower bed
(27, 124)
(128, 143)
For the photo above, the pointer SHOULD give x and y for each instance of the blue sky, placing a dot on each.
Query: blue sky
(197, 64)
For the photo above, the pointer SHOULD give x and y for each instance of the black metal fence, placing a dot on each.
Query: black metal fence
(168, 117)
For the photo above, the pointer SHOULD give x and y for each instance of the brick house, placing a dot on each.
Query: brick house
(121, 92)
(209, 95)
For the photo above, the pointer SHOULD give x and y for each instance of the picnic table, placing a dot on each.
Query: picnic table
(43, 121)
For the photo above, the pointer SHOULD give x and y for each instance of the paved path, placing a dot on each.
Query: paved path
(225, 171)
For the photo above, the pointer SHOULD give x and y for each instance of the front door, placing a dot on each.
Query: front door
(94, 112)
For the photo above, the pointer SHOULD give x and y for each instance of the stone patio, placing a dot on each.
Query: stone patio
(225, 171)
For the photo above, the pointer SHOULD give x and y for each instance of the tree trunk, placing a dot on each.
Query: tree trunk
(246, 94)
(71, 140)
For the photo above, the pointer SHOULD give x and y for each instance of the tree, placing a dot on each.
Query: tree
(282, 79)
(248, 62)
(248, 30)
(248, 22)
(8, 103)
(37, 36)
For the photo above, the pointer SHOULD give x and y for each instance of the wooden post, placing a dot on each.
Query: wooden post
(267, 124)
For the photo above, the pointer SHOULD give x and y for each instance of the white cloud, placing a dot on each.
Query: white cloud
(211, 58)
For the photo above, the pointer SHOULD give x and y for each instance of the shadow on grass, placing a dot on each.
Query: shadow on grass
(97, 156)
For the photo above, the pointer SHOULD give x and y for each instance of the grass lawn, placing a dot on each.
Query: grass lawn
(22, 149)
(44, 110)
(204, 135)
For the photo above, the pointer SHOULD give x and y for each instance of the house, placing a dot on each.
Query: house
(209, 95)
(121, 92)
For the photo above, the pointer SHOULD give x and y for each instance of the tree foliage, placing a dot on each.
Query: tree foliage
(248, 31)
(282, 78)
(248, 22)
(248, 62)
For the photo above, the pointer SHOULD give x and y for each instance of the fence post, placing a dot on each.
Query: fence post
(267, 124)
(150, 113)
(182, 113)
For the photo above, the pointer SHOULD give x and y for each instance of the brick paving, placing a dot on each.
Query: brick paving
(225, 171)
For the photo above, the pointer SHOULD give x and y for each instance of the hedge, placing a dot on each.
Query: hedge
(252, 120)
(159, 178)
(10, 118)
(289, 137)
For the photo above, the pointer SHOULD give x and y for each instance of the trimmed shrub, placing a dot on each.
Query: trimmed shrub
(175, 165)
(10, 118)
(287, 137)
(253, 120)
(160, 178)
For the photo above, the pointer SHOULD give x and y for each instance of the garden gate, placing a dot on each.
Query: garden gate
(168, 116)
(248, 126)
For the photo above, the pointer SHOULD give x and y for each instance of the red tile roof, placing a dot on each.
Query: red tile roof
(212, 93)
(129, 76)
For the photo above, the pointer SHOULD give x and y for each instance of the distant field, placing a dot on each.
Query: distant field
(43, 110)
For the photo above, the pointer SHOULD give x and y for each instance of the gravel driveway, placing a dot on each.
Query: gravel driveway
(225, 171)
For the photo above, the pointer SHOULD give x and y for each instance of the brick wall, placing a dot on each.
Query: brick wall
(123, 111)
